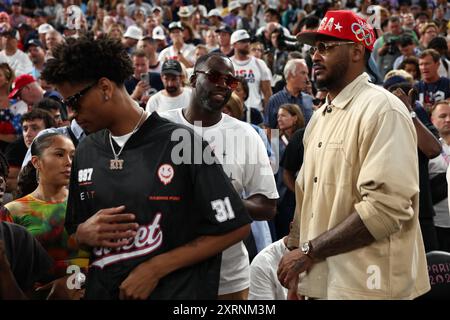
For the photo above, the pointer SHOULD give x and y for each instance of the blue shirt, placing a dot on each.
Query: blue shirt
(304, 101)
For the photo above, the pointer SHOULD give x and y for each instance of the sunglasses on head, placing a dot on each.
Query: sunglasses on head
(324, 48)
(217, 78)
(74, 100)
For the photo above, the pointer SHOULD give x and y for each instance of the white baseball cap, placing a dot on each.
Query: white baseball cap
(158, 33)
(133, 32)
(234, 4)
(44, 28)
(214, 13)
(184, 12)
(155, 8)
(239, 35)
(242, 2)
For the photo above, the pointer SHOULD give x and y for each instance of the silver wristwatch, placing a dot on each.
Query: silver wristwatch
(306, 248)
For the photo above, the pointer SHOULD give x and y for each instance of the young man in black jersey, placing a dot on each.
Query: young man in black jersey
(156, 227)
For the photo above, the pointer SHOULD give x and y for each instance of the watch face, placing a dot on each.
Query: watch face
(305, 247)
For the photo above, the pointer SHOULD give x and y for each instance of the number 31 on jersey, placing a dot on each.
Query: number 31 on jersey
(223, 209)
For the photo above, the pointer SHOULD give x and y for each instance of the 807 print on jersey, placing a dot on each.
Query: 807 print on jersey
(223, 311)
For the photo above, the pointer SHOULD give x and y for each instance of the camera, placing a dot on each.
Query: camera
(392, 45)
(288, 43)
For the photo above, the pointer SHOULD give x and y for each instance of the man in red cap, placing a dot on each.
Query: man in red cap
(356, 233)
(27, 89)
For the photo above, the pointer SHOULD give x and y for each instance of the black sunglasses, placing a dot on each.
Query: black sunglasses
(216, 78)
(74, 100)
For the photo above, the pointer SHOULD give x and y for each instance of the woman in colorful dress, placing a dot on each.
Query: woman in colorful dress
(43, 211)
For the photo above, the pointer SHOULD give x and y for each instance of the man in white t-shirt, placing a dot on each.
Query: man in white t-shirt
(178, 50)
(12, 55)
(174, 95)
(437, 167)
(254, 70)
(240, 150)
(264, 283)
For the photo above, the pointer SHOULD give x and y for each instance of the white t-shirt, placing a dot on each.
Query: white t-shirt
(435, 166)
(19, 62)
(243, 156)
(160, 102)
(254, 70)
(264, 284)
(169, 53)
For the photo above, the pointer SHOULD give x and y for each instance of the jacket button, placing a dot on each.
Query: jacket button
(320, 144)
(315, 179)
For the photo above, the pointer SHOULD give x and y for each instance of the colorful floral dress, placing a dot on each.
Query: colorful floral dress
(45, 220)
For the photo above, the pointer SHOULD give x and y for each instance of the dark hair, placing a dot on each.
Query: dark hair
(410, 60)
(37, 113)
(421, 14)
(4, 166)
(439, 44)
(310, 22)
(405, 40)
(27, 180)
(9, 74)
(42, 142)
(244, 84)
(87, 60)
(47, 104)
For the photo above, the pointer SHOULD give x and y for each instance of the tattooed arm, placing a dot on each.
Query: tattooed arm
(349, 235)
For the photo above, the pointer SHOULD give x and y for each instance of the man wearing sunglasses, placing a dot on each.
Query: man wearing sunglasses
(155, 227)
(239, 149)
(356, 231)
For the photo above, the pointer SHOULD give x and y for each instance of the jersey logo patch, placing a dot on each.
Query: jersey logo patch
(166, 173)
(85, 176)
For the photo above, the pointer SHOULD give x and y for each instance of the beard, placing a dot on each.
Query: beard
(213, 105)
(334, 75)
(244, 51)
(171, 90)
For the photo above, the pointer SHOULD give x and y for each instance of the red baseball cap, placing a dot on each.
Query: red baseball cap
(343, 25)
(20, 82)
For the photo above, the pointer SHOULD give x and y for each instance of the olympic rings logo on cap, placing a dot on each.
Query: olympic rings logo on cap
(362, 34)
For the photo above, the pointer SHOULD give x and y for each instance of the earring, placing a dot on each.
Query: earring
(106, 98)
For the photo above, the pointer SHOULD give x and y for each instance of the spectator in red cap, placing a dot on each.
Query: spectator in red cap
(27, 89)
(12, 55)
(356, 226)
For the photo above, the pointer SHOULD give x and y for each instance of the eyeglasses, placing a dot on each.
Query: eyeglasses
(324, 48)
(74, 100)
(216, 77)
